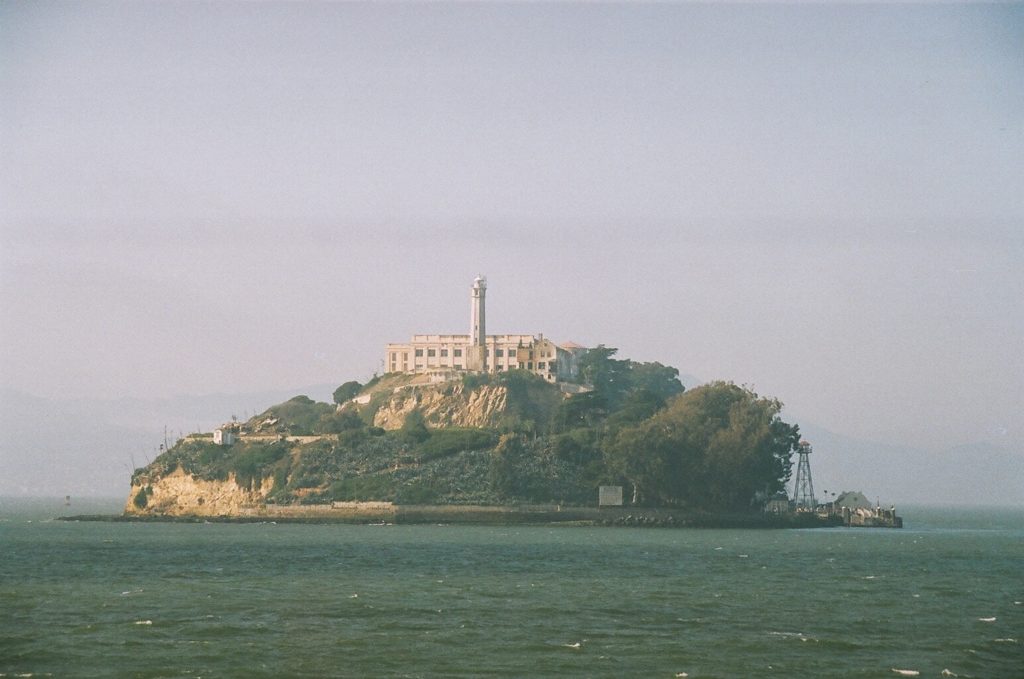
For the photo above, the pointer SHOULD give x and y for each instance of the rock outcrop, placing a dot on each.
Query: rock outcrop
(446, 405)
(181, 494)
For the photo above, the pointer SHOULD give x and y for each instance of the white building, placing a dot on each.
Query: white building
(443, 355)
(223, 437)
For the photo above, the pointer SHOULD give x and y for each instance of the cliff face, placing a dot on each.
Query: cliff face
(447, 405)
(180, 494)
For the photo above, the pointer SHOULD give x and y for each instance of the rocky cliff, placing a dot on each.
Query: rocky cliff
(182, 494)
(447, 405)
(504, 402)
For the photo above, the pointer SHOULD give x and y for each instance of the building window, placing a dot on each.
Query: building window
(540, 365)
(457, 352)
(394, 356)
(444, 352)
(419, 353)
(529, 366)
(499, 353)
(551, 366)
(431, 353)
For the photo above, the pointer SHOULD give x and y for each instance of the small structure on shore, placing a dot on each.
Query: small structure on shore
(851, 508)
(224, 436)
(609, 496)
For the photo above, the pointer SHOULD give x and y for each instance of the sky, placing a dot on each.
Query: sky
(821, 201)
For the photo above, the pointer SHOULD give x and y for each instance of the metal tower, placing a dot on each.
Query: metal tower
(803, 490)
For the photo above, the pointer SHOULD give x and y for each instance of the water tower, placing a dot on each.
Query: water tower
(803, 490)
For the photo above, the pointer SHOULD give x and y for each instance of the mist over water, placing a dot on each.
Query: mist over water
(132, 599)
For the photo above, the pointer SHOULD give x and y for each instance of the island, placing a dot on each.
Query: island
(494, 428)
(503, 447)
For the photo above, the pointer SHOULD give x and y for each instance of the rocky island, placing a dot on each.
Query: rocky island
(504, 447)
(482, 427)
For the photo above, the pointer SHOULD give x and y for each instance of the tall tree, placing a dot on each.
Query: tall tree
(716, 447)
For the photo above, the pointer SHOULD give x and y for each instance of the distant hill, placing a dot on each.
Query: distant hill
(979, 473)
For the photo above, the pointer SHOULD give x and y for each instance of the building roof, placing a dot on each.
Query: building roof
(853, 499)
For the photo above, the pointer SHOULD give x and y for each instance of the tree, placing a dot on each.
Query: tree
(346, 391)
(660, 380)
(637, 407)
(616, 384)
(714, 447)
(606, 374)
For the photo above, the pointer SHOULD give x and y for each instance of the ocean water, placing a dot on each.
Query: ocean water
(943, 595)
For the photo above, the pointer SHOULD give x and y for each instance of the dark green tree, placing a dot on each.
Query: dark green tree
(617, 384)
(346, 391)
(714, 447)
(337, 422)
(660, 380)
(607, 375)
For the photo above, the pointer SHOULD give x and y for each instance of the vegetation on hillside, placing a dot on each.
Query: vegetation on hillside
(716, 447)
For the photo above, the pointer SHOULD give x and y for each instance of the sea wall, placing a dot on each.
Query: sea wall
(386, 512)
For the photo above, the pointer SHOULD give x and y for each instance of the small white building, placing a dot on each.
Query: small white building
(223, 436)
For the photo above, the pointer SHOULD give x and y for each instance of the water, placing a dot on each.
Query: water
(265, 600)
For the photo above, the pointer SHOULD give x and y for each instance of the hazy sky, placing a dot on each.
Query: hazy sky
(823, 201)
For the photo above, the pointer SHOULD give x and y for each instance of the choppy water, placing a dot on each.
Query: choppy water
(265, 600)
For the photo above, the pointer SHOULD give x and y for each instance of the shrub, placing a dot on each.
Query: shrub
(142, 497)
(473, 380)
(451, 440)
(414, 428)
(363, 488)
(416, 493)
(250, 465)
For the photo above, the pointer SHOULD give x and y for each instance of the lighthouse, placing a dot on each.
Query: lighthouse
(477, 327)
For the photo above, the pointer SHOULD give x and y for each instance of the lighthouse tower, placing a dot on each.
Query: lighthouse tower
(478, 330)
